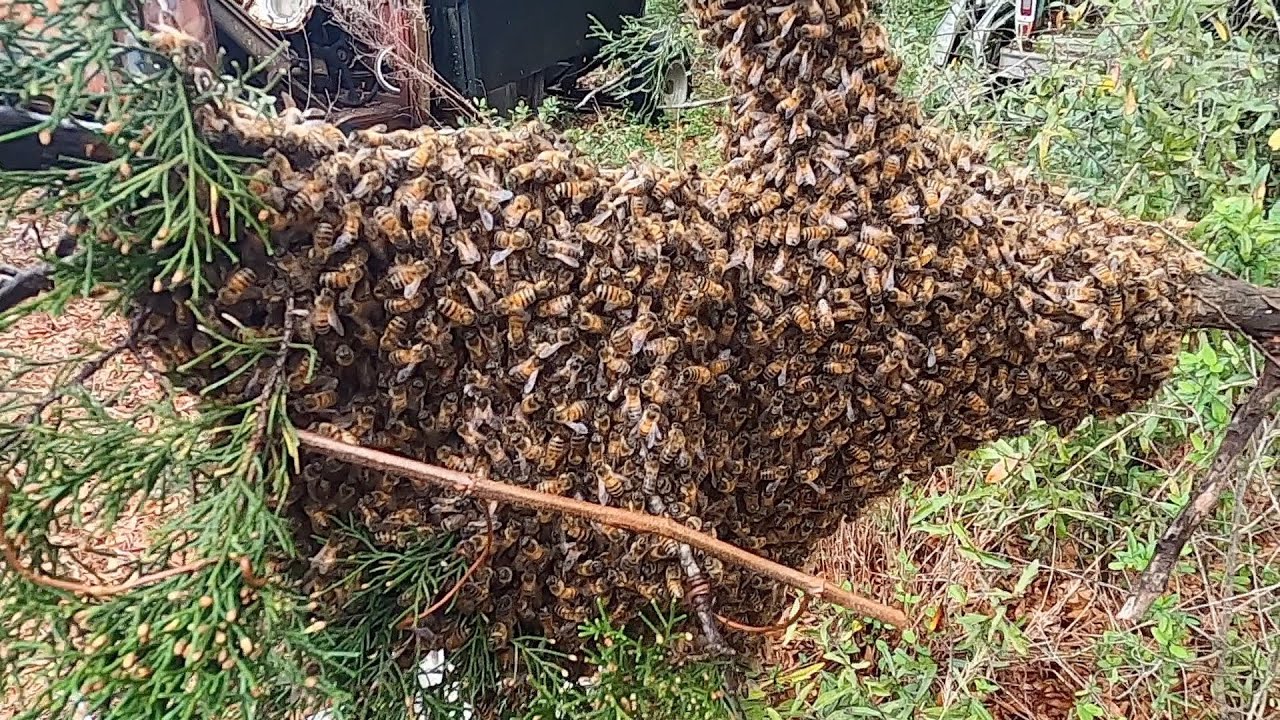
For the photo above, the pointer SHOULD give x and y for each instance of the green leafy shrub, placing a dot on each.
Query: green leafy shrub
(1158, 109)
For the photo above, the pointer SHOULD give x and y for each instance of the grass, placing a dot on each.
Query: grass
(1016, 559)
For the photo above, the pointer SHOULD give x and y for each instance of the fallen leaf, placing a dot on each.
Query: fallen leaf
(1130, 102)
(1223, 31)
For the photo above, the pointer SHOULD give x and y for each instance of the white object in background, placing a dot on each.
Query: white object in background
(280, 15)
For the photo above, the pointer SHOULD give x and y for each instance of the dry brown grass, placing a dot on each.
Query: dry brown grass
(1069, 608)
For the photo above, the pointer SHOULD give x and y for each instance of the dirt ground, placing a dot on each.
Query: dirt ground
(83, 328)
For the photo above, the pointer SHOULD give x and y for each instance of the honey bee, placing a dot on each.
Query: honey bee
(933, 194)
(885, 65)
(322, 239)
(614, 296)
(696, 375)
(592, 234)
(816, 31)
(522, 298)
(310, 197)
(610, 484)
(509, 242)
(456, 312)
(408, 276)
(614, 364)
(816, 233)
(647, 427)
(422, 221)
(922, 258)
(768, 202)
(527, 370)
(368, 184)
(396, 328)
(403, 305)
(987, 286)
(564, 251)
(1080, 293)
(1115, 306)
(422, 157)
(1105, 274)
(349, 274)
(317, 401)
(562, 591)
(399, 400)
(324, 315)
(791, 103)
(532, 551)
(554, 453)
(830, 262)
(410, 356)
(851, 20)
(666, 187)
(872, 278)
(576, 192)
(558, 485)
(1096, 323)
(236, 286)
(862, 161)
(559, 306)
(513, 214)
(571, 415)
(631, 339)
(838, 367)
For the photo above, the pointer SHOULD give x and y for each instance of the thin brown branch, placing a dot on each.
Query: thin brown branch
(615, 517)
(410, 622)
(766, 629)
(11, 559)
(1206, 493)
(272, 381)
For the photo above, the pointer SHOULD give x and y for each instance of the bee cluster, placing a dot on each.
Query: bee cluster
(850, 301)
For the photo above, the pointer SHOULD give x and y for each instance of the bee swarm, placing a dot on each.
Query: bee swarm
(852, 300)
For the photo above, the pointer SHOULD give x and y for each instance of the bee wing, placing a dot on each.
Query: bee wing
(412, 288)
(486, 219)
(567, 259)
(654, 437)
(336, 323)
(550, 349)
(500, 256)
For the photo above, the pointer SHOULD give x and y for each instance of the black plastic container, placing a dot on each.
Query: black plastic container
(509, 50)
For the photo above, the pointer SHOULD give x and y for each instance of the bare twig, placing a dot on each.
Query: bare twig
(11, 559)
(616, 517)
(88, 370)
(410, 622)
(272, 381)
(765, 629)
(1205, 494)
(699, 597)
